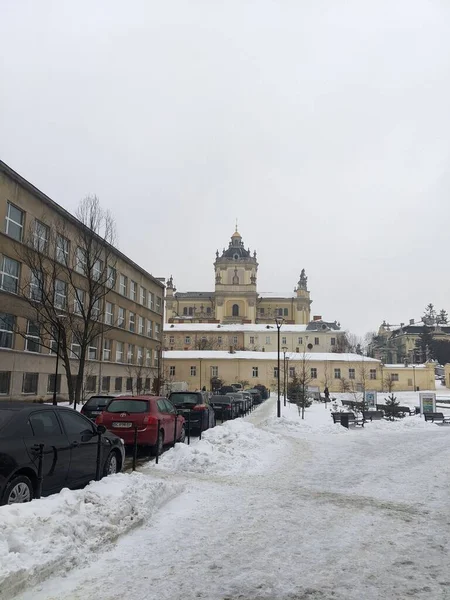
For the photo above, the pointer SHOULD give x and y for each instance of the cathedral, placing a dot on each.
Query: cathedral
(235, 298)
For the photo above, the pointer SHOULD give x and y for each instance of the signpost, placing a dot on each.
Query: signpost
(427, 402)
(370, 399)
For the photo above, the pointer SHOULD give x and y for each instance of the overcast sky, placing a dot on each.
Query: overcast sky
(322, 125)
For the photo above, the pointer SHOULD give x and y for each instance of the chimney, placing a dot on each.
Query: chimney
(317, 317)
(411, 321)
(231, 350)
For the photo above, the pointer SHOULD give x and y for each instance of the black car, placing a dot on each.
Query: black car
(95, 406)
(256, 395)
(195, 408)
(225, 407)
(69, 450)
(243, 400)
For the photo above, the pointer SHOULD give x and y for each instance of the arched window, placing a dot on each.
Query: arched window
(235, 311)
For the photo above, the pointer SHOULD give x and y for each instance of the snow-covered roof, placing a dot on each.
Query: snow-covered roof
(248, 355)
(403, 366)
(236, 327)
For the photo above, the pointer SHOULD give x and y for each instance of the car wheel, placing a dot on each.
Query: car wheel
(182, 437)
(18, 491)
(112, 465)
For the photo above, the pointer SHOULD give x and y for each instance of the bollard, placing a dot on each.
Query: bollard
(158, 428)
(40, 476)
(99, 457)
(135, 448)
(175, 431)
(189, 427)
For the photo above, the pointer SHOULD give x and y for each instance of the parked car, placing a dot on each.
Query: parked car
(237, 387)
(243, 400)
(123, 414)
(96, 405)
(69, 445)
(256, 395)
(225, 389)
(195, 408)
(265, 392)
(225, 407)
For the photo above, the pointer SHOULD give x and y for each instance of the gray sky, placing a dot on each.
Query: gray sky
(322, 126)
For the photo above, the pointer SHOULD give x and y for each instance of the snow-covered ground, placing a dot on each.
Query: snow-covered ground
(261, 508)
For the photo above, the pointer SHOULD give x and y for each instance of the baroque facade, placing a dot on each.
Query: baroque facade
(235, 298)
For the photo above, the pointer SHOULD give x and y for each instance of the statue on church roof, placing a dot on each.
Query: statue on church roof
(170, 282)
(217, 254)
(303, 281)
(235, 277)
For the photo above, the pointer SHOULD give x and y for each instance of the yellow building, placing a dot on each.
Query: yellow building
(235, 298)
(340, 372)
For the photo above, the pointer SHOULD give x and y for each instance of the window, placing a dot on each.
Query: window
(97, 270)
(96, 309)
(372, 374)
(171, 339)
(149, 328)
(291, 371)
(33, 337)
(156, 357)
(51, 384)
(111, 277)
(261, 311)
(151, 300)
(139, 385)
(129, 384)
(410, 382)
(214, 371)
(219, 340)
(254, 371)
(284, 341)
(333, 341)
(7, 323)
(158, 304)
(157, 330)
(74, 349)
(141, 325)
(268, 339)
(9, 275)
(187, 339)
(351, 373)
(275, 372)
(107, 350)
(14, 222)
(74, 424)
(121, 318)
(30, 383)
(285, 312)
(185, 311)
(337, 373)
(140, 356)
(235, 310)
(208, 310)
(300, 341)
(193, 371)
(78, 301)
(130, 353)
(62, 249)
(147, 384)
(5, 382)
(92, 350)
(45, 424)
(123, 284)
(394, 376)
(60, 297)
(118, 384)
(40, 236)
(235, 340)
(142, 295)
(36, 285)
(106, 382)
(80, 261)
(148, 358)
(316, 341)
(119, 352)
(91, 383)
(313, 373)
(279, 312)
(131, 321)
(133, 290)
(109, 313)
(252, 340)
(172, 371)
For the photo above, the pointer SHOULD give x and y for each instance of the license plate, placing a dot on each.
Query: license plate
(121, 425)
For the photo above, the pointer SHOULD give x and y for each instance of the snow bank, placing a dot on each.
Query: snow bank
(235, 447)
(295, 426)
(406, 424)
(63, 530)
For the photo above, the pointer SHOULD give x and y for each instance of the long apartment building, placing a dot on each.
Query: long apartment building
(124, 358)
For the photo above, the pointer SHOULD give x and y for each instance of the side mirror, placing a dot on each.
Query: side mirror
(101, 429)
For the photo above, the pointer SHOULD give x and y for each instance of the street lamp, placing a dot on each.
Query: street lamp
(287, 378)
(285, 349)
(279, 322)
(58, 341)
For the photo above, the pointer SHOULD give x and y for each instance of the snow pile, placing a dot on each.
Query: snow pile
(63, 530)
(405, 424)
(235, 447)
(296, 427)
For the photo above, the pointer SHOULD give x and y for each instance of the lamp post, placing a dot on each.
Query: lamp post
(284, 348)
(287, 379)
(414, 376)
(279, 322)
(58, 341)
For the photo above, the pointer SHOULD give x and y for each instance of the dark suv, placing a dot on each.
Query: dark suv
(195, 408)
(96, 405)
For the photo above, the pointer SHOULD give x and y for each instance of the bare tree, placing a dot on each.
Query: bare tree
(70, 268)
(389, 382)
(206, 343)
(344, 385)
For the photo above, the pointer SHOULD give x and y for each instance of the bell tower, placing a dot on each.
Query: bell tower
(303, 301)
(236, 272)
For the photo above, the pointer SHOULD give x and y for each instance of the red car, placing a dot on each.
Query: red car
(123, 414)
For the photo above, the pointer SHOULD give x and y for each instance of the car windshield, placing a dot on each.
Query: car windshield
(178, 399)
(6, 416)
(129, 406)
(97, 402)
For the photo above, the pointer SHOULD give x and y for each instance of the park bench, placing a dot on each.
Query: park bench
(436, 416)
(373, 415)
(352, 418)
